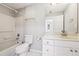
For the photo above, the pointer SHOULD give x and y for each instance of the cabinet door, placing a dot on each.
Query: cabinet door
(76, 52)
(48, 51)
(63, 51)
(48, 42)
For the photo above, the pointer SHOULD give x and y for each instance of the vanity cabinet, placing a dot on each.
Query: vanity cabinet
(63, 51)
(60, 47)
(76, 51)
(66, 51)
(48, 48)
(48, 51)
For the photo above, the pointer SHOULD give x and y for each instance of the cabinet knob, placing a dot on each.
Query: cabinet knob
(76, 51)
(71, 50)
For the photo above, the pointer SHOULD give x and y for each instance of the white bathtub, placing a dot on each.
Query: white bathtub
(9, 51)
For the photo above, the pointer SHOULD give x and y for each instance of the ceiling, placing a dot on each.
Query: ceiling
(17, 5)
(59, 7)
(52, 7)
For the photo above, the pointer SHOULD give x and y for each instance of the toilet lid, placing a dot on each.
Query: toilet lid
(21, 48)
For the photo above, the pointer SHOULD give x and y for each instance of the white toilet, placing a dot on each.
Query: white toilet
(23, 49)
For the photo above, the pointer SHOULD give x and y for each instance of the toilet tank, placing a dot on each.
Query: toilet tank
(28, 39)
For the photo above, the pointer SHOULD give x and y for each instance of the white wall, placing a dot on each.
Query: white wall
(34, 23)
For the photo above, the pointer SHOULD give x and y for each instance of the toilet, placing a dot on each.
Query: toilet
(23, 49)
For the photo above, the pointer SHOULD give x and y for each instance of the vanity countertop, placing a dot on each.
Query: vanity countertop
(71, 37)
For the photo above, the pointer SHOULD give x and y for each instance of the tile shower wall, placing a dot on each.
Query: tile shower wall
(7, 28)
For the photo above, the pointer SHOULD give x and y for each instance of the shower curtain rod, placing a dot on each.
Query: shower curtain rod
(8, 7)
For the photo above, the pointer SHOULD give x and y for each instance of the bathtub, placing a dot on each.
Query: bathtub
(9, 51)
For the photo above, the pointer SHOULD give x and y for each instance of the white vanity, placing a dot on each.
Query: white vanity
(57, 46)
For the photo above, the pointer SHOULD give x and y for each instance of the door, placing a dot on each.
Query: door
(48, 50)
